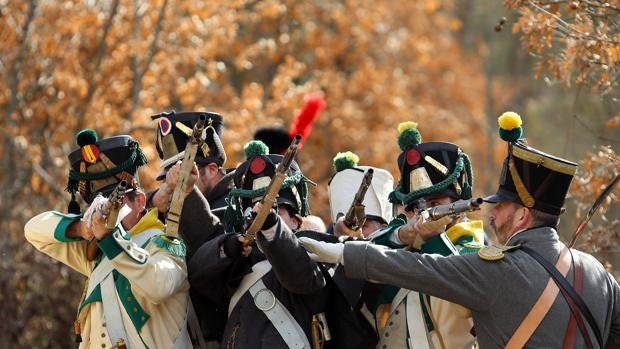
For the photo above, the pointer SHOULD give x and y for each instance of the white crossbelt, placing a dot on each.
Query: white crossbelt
(416, 327)
(105, 267)
(286, 325)
(102, 275)
(258, 271)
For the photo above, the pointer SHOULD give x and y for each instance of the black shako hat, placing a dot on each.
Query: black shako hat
(98, 166)
(430, 168)
(174, 131)
(254, 175)
(529, 176)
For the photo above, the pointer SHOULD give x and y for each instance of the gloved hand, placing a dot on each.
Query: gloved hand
(323, 251)
(232, 245)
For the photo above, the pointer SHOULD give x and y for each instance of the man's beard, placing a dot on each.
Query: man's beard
(502, 232)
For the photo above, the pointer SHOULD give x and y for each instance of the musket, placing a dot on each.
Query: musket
(175, 206)
(110, 210)
(269, 199)
(592, 211)
(454, 208)
(356, 215)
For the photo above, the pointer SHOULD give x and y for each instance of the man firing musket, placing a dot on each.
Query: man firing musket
(273, 292)
(137, 291)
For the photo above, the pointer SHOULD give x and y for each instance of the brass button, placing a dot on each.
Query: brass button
(103, 345)
(397, 312)
(129, 299)
(103, 324)
(391, 323)
(135, 310)
(102, 335)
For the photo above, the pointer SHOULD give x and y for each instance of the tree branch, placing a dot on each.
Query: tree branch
(16, 67)
(101, 50)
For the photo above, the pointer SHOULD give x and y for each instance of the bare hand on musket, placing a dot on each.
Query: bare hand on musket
(98, 225)
(341, 229)
(418, 225)
(172, 177)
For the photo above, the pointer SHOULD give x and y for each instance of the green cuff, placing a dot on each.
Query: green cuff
(60, 233)
(439, 244)
(109, 246)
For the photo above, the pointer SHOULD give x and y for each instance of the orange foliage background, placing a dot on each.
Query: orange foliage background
(110, 65)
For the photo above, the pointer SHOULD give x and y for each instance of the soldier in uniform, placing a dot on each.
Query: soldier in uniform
(137, 293)
(432, 173)
(511, 289)
(204, 207)
(349, 313)
(271, 288)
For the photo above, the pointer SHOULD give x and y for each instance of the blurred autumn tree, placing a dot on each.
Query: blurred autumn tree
(574, 41)
(578, 43)
(109, 65)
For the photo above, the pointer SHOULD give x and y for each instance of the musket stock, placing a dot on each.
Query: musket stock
(269, 199)
(175, 206)
(356, 215)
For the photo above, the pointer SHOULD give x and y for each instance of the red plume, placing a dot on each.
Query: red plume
(302, 123)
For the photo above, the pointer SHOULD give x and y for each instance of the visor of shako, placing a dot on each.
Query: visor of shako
(174, 131)
(534, 179)
(256, 174)
(433, 168)
(343, 187)
(98, 166)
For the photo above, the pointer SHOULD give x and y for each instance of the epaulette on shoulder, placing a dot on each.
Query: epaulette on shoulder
(495, 252)
(171, 244)
(471, 247)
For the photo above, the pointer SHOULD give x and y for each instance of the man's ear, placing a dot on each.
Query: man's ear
(141, 198)
(524, 217)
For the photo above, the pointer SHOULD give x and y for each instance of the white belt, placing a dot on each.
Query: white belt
(418, 335)
(105, 267)
(258, 271)
(102, 275)
(183, 337)
(112, 311)
(286, 325)
(416, 327)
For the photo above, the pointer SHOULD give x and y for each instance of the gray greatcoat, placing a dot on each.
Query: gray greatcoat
(499, 293)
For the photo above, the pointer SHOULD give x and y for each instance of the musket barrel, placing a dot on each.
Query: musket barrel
(454, 208)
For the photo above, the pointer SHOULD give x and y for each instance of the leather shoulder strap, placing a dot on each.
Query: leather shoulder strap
(541, 307)
(568, 292)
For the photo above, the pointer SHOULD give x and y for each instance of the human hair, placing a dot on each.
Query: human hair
(131, 195)
(221, 171)
(544, 219)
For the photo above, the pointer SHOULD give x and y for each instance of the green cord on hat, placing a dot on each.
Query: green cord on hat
(462, 163)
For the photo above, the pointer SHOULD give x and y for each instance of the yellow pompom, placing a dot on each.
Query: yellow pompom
(509, 121)
(351, 156)
(406, 126)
